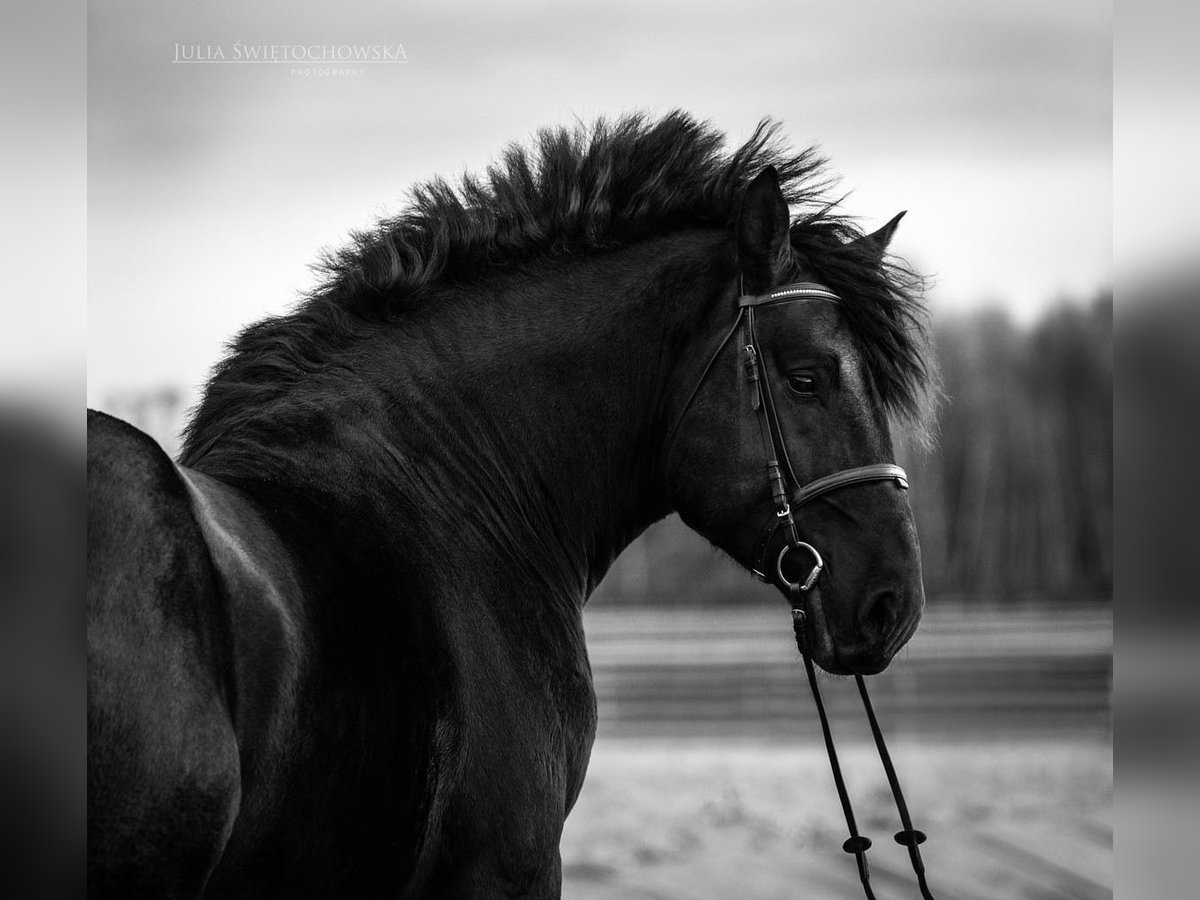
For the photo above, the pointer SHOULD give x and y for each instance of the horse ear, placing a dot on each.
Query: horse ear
(877, 241)
(762, 230)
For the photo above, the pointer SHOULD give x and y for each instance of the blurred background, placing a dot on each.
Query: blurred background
(213, 184)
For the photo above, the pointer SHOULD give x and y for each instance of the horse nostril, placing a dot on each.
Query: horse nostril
(879, 615)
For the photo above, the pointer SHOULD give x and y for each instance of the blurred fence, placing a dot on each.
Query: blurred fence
(734, 672)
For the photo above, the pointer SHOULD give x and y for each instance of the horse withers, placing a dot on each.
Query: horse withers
(337, 648)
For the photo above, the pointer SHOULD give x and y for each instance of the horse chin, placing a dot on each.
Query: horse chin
(819, 645)
(872, 666)
(817, 642)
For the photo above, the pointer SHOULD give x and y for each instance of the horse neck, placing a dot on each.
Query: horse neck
(547, 401)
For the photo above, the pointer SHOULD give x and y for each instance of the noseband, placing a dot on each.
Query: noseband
(786, 493)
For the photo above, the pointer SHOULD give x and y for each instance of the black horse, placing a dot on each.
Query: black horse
(337, 649)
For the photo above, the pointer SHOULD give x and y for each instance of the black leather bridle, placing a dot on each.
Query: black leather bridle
(788, 493)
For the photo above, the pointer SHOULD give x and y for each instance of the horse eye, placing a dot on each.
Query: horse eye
(804, 385)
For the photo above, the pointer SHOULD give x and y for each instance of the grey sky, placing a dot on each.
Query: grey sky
(212, 187)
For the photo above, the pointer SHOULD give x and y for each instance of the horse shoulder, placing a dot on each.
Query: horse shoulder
(163, 771)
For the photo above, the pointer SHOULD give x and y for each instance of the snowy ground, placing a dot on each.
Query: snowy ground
(726, 818)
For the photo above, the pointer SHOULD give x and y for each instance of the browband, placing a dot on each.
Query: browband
(801, 290)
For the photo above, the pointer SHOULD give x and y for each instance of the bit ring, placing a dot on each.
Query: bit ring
(818, 565)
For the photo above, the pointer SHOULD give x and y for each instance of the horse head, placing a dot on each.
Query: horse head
(781, 453)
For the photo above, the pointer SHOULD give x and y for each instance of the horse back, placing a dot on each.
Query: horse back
(163, 768)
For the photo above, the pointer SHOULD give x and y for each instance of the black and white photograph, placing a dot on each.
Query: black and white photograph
(603, 451)
(599, 450)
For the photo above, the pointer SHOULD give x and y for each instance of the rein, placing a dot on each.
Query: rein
(781, 476)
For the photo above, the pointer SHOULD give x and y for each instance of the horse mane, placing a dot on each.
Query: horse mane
(570, 192)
